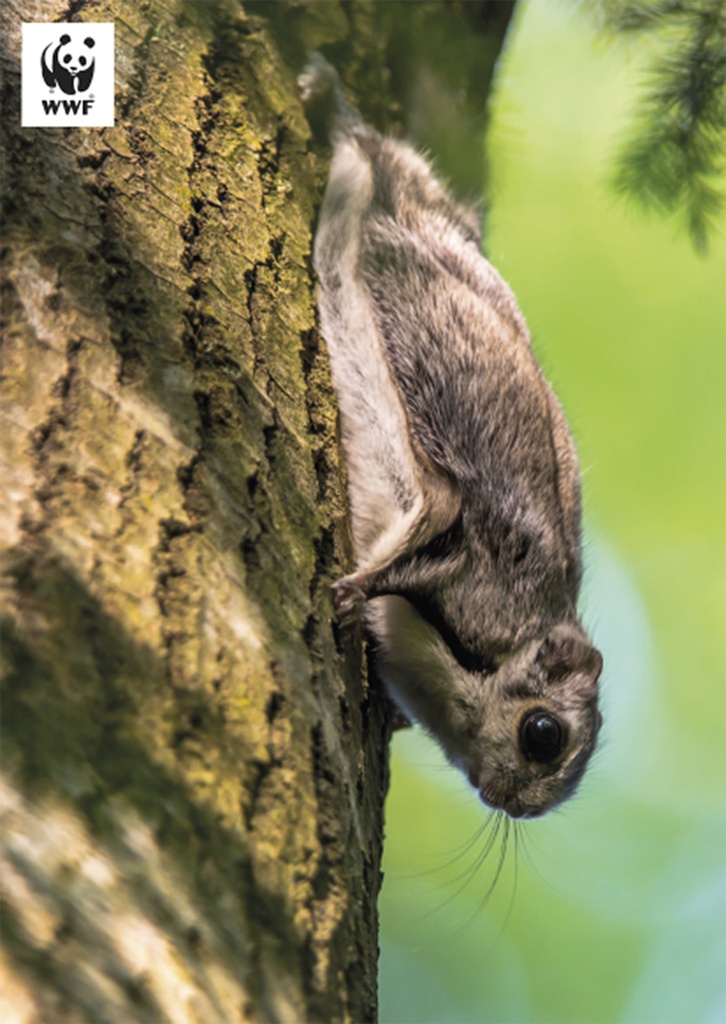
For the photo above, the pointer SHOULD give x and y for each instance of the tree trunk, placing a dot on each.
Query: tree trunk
(194, 760)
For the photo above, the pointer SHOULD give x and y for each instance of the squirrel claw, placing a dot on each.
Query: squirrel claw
(399, 719)
(349, 600)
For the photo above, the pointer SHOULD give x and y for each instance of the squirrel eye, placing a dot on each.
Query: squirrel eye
(541, 737)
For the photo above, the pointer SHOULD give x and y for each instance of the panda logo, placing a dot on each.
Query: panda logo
(70, 66)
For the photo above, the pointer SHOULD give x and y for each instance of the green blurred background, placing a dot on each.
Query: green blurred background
(616, 909)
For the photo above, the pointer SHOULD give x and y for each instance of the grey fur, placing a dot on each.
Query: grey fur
(463, 477)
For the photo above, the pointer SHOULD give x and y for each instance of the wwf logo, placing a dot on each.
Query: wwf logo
(67, 74)
(69, 65)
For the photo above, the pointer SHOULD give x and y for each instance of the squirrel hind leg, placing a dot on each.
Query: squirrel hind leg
(399, 499)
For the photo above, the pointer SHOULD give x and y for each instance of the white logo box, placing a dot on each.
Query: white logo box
(67, 75)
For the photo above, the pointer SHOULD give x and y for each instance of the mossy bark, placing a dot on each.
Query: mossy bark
(194, 761)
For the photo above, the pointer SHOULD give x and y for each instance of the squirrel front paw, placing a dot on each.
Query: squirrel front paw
(349, 600)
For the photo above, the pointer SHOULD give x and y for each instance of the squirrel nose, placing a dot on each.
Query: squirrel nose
(513, 807)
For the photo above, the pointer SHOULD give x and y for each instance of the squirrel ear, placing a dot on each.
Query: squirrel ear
(566, 651)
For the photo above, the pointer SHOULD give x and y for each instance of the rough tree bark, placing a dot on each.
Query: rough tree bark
(194, 762)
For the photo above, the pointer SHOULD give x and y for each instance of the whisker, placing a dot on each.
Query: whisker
(518, 833)
(469, 872)
(468, 843)
(458, 851)
(473, 869)
(497, 828)
(497, 875)
(527, 841)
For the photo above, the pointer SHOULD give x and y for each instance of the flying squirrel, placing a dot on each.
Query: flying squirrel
(463, 478)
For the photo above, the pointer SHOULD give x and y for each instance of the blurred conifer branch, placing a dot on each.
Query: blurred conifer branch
(672, 159)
